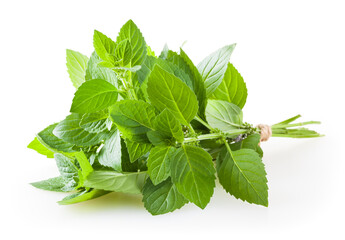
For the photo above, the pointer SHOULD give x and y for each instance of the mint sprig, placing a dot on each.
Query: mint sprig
(159, 126)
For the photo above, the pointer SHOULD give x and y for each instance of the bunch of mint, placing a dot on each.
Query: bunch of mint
(160, 126)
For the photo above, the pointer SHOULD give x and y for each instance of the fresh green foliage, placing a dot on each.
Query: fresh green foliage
(157, 126)
(232, 88)
(167, 91)
(70, 131)
(159, 162)
(76, 66)
(243, 175)
(93, 96)
(116, 182)
(193, 172)
(223, 115)
(162, 198)
(96, 122)
(40, 148)
(110, 154)
(133, 118)
(213, 67)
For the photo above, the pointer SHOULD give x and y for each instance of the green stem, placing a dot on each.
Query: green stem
(203, 122)
(191, 129)
(216, 135)
(202, 137)
(298, 136)
(295, 124)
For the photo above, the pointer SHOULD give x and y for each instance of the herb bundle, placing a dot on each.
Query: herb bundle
(157, 126)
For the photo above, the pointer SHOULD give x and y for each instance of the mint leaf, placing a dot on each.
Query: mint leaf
(232, 88)
(137, 150)
(167, 91)
(96, 122)
(168, 130)
(162, 198)
(223, 115)
(243, 175)
(158, 163)
(56, 184)
(76, 67)
(150, 52)
(213, 67)
(250, 142)
(53, 143)
(94, 95)
(84, 164)
(116, 182)
(40, 148)
(110, 154)
(70, 131)
(133, 118)
(82, 196)
(123, 52)
(131, 32)
(104, 46)
(193, 172)
(198, 84)
(127, 165)
(67, 170)
(168, 125)
(95, 71)
(145, 70)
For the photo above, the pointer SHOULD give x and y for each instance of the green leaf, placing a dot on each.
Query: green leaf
(95, 71)
(76, 67)
(150, 62)
(162, 198)
(56, 184)
(164, 53)
(223, 115)
(193, 172)
(104, 46)
(67, 170)
(70, 131)
(82, 196)
(133, 118)
(123, 51)
(198, 84)
(137, 150)
(116, 182)
(131, 32)
(167, 91)
(213, 67)
(250, 142)
(232, 88)
(110, 154)
(94, 95)
(150, 52)
(53, 143)
(127, 165)
(158, 163)
(145, 70)
(40, 148)
(168, 126)
(243, 175)
(84, 164)
(96, 122)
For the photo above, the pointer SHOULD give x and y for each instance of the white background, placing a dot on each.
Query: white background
(292, 57)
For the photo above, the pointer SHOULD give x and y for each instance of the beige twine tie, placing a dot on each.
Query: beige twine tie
(265, 132)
